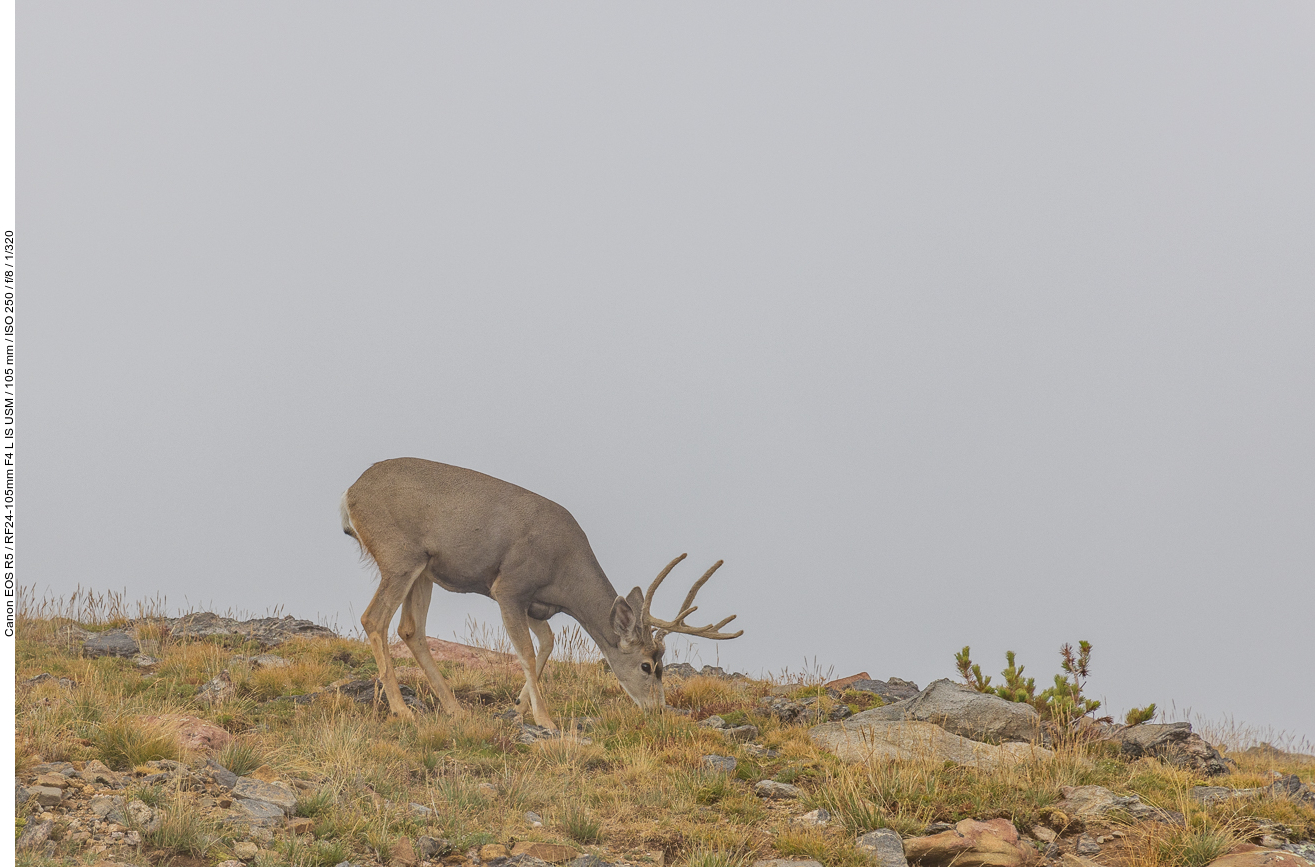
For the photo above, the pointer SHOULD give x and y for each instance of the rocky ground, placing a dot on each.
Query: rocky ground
(83, 811)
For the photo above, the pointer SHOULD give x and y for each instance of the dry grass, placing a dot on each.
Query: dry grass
(638, 791)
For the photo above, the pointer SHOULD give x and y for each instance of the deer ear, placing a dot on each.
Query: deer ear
(625, 614)
(623, 618)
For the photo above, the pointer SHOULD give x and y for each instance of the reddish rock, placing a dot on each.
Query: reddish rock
(846, 681)
(451, 651)
(973, 844)
(1261, 858)
(403, 853)
(193, 733)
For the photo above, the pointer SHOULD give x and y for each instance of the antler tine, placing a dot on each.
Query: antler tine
(694, 591)
(687, 608)
(652, 588)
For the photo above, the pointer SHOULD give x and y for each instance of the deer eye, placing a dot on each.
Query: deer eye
(646, 668)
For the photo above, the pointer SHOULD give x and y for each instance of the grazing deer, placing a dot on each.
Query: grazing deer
(424, 523)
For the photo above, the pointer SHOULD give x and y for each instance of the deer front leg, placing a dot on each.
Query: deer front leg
(517, 623)
(543, 632)
(393, 588)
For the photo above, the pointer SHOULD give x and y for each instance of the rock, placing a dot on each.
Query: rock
(268, 660)
(64, 768)
(372, 691)
(965, 712)
(300, 825)
(419, 810)
(588, 860)
(492, 851)
(115, 642)
(841, 682)
(403, 854)
(714, 722)
(971, 844)
(891, 691)
(432, 847)
(839, 712)
(741, 734)
(34, 834)
(883, 847)
(549, 852)
(281, 795)
(1068, 859)
(47, 796)
(193, 733)
(261, 813)
(1086, 846)
(103, 805)
(1089, 803)
(725, 764)
(776, 791)
(246, 851)
(1173, 743)
(52, 780)
(785, 862)
(267, 631)
(220, 774)
(142, 661)
(518, 861)
(229, 863)
(134, 814)
(217, 690)
(684, 669)
(818, 818)
(1044, 834)
(534, 819)
(758, 751)
(95, 771)
(785, 710)
(1219, 794)
(1261, 858)
(1305, 850)
(862, 738)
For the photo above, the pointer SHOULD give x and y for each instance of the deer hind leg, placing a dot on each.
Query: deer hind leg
(412, 631)
(517, 623)
(543, 632)
(393, 588)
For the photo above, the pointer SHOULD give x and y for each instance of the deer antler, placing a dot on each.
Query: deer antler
(686, 608)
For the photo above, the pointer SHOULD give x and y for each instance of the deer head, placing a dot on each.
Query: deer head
(640, 646)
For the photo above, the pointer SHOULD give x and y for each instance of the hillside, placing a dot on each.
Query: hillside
(198, 740)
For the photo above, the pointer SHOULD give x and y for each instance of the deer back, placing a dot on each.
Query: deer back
(468, 527)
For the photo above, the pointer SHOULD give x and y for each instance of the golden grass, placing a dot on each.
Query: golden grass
(638, 790)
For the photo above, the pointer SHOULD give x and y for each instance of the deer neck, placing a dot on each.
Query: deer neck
(591, 607)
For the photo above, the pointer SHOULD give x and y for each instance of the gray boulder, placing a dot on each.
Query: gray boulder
(773, 790)
(883, 847)
(862, 738)
(267, 631)
(964, 712)
(280, 795)
(1173, 743)
(724, 764)
(115, 642)
(893, 690)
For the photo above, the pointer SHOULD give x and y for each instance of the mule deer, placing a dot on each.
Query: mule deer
(424, 523)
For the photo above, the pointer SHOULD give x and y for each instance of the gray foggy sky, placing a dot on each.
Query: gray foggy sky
(944, 325)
